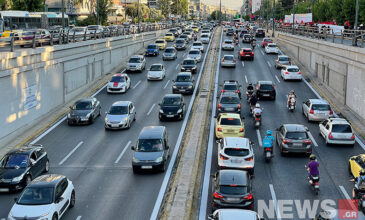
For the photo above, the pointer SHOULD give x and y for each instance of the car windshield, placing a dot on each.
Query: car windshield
(171, 101)
(204, 36)
(233, 190)
(228, 57)
(118, 110)
(228, 42)
(197, 44)
(266, 87)
(341, 129)
(36, 196)
(321, 107)
(247, 36)
(284, 58)
(134, 60)
(180, 41)
(189, 62)
(229, 100)
(169, 50)
(149, 145)
(271, 45)
(160, 42)
(152, 47)
(236, 152)
(194, 52)
(78, 29)
(15, 161)
(296, 135)
(230, 87)
(183, 79)
(156, 68)
(117, 79)
(260, 31)
(82, 106)
(169, 35)
(230, 121)
(267, 40)
(293, 70)
(92, 27)
(183, 36)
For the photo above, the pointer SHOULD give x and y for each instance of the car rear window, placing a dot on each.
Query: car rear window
(233, 190)
(293, 70)
(266, 87)
(228, 57)
(284, 58)
(247, 50)
(117, 79)
(197, 44)
(228, 41)
(152, 47)
(296, 135)
(188, 62)
(236, 152)
(156, 68)
(321, 107)
(194, 52)
(267, 40)
(180, 41)
(134, 60)
(341, 129)
(230, 87)
(169, 50)
(230, 100)
(230, 121)
(183, 79)
(160, 42)
(171, 101)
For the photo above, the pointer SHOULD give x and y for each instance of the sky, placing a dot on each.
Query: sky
(233, 4)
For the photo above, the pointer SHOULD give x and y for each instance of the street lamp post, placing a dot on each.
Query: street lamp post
(354, 41)
(273, 21)
(220, 12)
(267, 16)
(293, 17)
(125, 10)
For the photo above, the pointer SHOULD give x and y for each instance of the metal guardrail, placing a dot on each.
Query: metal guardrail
(35, 39)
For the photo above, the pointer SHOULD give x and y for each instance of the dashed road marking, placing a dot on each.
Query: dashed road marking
(243, 64)
(78, 218)
(69, 154)
(122, 153)
(259, 137)
(168, 81)
(149, 112)
(269, 64)
(277, 78)
(273, 196)
(344, 192)
(137, 84)
(177, 66)
(313, 140)
(246, 79)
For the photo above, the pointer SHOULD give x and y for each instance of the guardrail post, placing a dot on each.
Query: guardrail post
(95, 35)
(342, 36)
(62, 34)
(84, 34)
(110, 32)
(68, 36)
(102, 34)
(362, 40)
(325, 33)
(312, 32)
(33, 41)
(73, 37)
(12, 44)
(51, 40)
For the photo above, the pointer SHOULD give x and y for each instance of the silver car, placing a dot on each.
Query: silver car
(120, 115)
(234, 214)
(317, 110)
(204, 38)
(228, 61)
(136, 63)
(170, 53)
(195, 54)
(198, 45)
(281, 61)
(78, 33)
(293, 138)
(228, 45)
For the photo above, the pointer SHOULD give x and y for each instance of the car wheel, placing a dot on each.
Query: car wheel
(28, 180)
(69, 122)
(55, 216)
(129, 125)
(73, 199)
(163, 167)
(99, 113)
(91, 120)
(46, 168)
(134, 119)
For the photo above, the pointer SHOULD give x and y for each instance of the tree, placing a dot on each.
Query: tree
(335, 11)
(214, 15)
(132, 11)
(179, 7)
(27, 5)
(102, 9)
(348, 11)
(165, 7)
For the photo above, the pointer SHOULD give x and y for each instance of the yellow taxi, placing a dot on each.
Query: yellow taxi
(161, 43)
(356, 163)
(169, 37)
(229, 125)
(195, 29)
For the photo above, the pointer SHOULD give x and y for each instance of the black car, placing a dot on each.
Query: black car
(260, 32)
(172, 107)
(84, 111)
(230, 32)
(232, 189)
(246, 38)
(229, 102)
(184, 83)
(189, 65)
(19, 167)
(231, 86)
(265, 89)
(174, 31)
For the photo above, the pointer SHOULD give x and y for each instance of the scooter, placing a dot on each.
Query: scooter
(268, 149)
(360, 196)
(249, 94)
(314, 182)
(291, 106)
(257, 120)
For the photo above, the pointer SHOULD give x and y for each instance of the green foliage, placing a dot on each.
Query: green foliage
(179, 7)
(28, 5)
(165, 7)
(102, 8)
(90, 20)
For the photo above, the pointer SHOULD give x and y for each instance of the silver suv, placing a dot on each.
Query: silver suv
(136, 63)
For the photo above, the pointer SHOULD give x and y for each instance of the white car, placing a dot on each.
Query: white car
(317, 110)
(206, 32)
(337, 131)
(136, 63)
(271, 48)
(119, 83)
(204, 38)
(46, 197)
(195, 54)
(234, 214)
(291, 72)
(236, 153)
(228, 45)
(198, 45)
(120, 115)
(156, 72)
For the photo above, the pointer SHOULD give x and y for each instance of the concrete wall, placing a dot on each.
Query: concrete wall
(34, 82)
(340, 68)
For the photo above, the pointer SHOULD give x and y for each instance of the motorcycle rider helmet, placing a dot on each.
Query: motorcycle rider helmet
(257, 105)
(292, 92)
(250, 84)
(362, 172)
(268, 132)
(312, 157)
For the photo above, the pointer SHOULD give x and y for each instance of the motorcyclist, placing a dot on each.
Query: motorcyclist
(290, 96)
(359, 180)
(257, 109)
(253, 100)
(249, 87)
(195, 37)
(270, 137)
(312, 166)
(253, 43)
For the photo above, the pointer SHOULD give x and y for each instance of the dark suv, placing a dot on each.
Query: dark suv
(172, 107)
(184, 83)
(229, 102)
(231, 86)
(189, 65)
(260, 32)
(265, 89)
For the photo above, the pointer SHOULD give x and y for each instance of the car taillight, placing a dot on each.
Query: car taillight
(353, 136)
(217, 195)
(330, 136)
(285, 141)
(299, 72)
(248, 197)
(331, 112)
(268, 149)
(219, 129)
(219, 105)
(311, 111)
(249, 159)
(237, 91)
(239, 106)
(222, 90)
(223, 60)
(222, 157)
(277, 62)
(307, 142)
(286, 72)
(234, 61)
(241, 129)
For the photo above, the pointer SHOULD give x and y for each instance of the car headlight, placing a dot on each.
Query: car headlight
(88, 115)
(18, 179)
(45, 214)
(190, 87)
(161, 111)
(179, 111)
(158, 160)
(125, 119)
(174, 87)
(194, 68)
(69, 115)
(135, 160)
(106, 120)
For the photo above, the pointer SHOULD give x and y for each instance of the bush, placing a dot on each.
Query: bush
(90, 20)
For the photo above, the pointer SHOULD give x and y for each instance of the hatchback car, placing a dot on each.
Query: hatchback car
(198, 45)
(265, 89)
(281, 61)
(291, 73)
(232, 86)
(236, 153)
(293, 138)
(180, 44)
(195, 54)
(172, 107)
(184, 83)
(232, 189)
(170, 53)
(228, 61)
(152, 50)
(260, 32)
(46, 197)
(185, 37)
(169, 37)
(246, 53)
(229, 102)
(204, 38)
(174, 31)
(156, 72)
(161, 43)
(189, 65)
(271, 48)
(337, 131)
(230, 32)
(228, 45)
(317, 110)
(119, 83)
(247, 38)
(120, 115)
(265, 41)
(84, 111)
(136, 63)
(233, 214)
(229, 125)
(18, 167)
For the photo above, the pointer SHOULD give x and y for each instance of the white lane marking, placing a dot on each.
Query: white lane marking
(177, 66)
(313, 90)
(243, 64)
(277, 78)
(344, 192)
(246, 79)
(360, 142)
(259, 137)
(313, 140)
(273, 196)
(268, 64)
(208, 162)
(69, 154)
(168, 81)
(97, 92)
(149, 112)
(184, 54)
(78, 218)
(137, 84)
(262, 52)
(166, 179)
(124, 150)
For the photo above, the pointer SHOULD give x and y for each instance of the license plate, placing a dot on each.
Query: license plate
(146, 167)
(115, 125)
(265, 95)
(230, 130)
(233, 199)
(182, 90)
(236, 161)
(247, 55)
(169, 116)
(4, 190)
(230, 109)
(297, 144)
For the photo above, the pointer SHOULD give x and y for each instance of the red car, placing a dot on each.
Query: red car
(246, 53)
(266, 41)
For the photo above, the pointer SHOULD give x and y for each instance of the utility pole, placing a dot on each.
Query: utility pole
(138, 15)
(220, 12)
(267, 16)
(97, 12)
(125, 10)
(63, 14)
(273, 21)
(354, 41)
(293, 17)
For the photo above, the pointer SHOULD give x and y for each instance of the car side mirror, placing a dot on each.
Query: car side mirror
(173, 81)
(15, 199)
(133, 148)
(167, 147)
(59, 199)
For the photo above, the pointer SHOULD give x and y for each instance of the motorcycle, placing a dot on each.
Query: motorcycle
(314, 182)
(236, 41)
(360, 196)
(291, 105)
(268, 149)
(257, 120)
(249, 94)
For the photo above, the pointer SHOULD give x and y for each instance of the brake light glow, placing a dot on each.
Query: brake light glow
(330, 136)
(299, 72)
(353, 136)
(249, 159)
(331, 112)
(223, 61)
(219, 106)
(230, 119)
(241, 129)
(222, 157)
(237, 91)
(257, 119)
(286, 72)
(311, 111)
(268, 149)
(307, 142)
(239, 106)
(233, 185)
(285, 141)
(222, 90)
(219, 129)
(217, 195)
(248, 197)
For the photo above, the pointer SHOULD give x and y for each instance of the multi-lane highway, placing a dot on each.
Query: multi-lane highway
(98, 161)
(284, 178)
